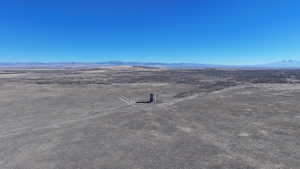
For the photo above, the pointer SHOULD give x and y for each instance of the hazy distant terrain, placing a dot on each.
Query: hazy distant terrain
(87, 118)
(281, 64)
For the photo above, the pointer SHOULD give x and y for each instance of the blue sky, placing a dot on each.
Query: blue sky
(203, 31)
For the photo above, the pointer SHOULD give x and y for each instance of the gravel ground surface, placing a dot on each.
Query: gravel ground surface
(204, 119)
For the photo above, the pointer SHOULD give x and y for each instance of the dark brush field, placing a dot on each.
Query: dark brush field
(204, 119)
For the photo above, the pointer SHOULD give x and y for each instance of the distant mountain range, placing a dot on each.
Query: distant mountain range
(282, 64)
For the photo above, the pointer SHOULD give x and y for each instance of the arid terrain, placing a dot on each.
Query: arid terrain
(203, 119)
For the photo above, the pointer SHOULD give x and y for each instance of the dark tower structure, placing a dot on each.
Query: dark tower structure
(152, 98)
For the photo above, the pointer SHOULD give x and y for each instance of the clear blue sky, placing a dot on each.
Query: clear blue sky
(202, 31)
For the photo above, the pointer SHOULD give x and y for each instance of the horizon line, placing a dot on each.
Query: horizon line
(137, 62)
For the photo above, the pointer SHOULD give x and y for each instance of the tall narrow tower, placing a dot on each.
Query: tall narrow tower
(152, 98)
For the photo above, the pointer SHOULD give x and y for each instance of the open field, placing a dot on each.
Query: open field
(204, 119)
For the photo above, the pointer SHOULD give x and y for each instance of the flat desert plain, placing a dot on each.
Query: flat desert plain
(203, 118)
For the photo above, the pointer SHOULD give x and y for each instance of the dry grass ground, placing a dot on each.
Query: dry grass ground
(205, 119)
